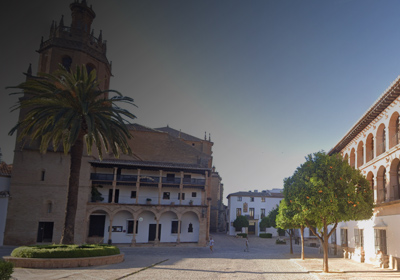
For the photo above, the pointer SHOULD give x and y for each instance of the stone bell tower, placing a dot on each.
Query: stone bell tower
(75, 45)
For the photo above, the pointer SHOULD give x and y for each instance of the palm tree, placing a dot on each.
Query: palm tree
(67, 109)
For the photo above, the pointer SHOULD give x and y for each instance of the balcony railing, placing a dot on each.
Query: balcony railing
(146, 179)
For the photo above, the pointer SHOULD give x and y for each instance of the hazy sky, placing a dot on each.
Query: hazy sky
(272, 81)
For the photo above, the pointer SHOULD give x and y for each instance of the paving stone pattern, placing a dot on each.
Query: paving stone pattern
(265, 260)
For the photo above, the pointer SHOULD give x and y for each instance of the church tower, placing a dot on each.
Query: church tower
(75, 45)
(39, 182)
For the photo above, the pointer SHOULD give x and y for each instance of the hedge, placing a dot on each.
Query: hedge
(6, 269)
(266, 235)
(64, 251)
(244, 235)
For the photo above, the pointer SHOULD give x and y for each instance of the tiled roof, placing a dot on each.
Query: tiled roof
(5, 169)
(178, 134)
(139, 127)
(391, 93)
(149, 164)
(257, 194)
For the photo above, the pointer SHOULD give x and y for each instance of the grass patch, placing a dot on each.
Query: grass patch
(64, 251)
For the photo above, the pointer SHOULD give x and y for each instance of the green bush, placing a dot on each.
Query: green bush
(280, 241)
(64, 251)
(6, 269)
(244, 235)
(266, 235)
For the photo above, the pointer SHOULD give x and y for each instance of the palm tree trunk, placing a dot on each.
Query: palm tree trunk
(73, 188)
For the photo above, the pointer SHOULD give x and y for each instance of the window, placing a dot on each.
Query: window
(187, 178)
(310, 233)
(49, 207)
(67, 62)
(116, 198)
(166, 195)
(262, 213)
(333, 237)
(359, 237)
(239, 198)
(42, 175)
(130, 227)
(251, 213)
(133, 194)
(190, 228)
(170, 177)
(262, 199)
(194, 194)
(343, 237)
(89, 68)
(238, 212)
(174, 227)
(183, 196)
(251, 199)
(380, 241)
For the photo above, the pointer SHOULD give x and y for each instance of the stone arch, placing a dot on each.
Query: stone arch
(369, 147)
(380, 139)
(360, 154)
(190, 226)
(371, 180)
(381, 184)
(169, 222)
(394, 130)
(145, 218)
(353, 158)
(95, 220)
(395, 179)
(346, 157)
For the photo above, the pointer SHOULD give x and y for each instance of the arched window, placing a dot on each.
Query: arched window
(380, 140)
(394, 130)
(66, 62)
(360, 154)
(353, 158)
(370, 178)
(369, 145)
(381, 185)
(90, 67)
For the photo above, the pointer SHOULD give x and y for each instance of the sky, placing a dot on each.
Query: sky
(271, 81)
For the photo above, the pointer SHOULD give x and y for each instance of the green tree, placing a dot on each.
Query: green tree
(327, 190)
(240, 222)
(286, 220)
(264, 223)
(271, 217)
(68, 109)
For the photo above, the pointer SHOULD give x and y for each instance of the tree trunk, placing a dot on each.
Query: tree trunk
(291, 245)
(325, 247)
(73, 188)
(302, 241)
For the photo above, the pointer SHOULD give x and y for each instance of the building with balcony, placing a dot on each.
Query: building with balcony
(253, 205)
(159, 194)
(372, 146)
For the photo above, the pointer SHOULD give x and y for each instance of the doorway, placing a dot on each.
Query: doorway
(45, 232)
(152, 232)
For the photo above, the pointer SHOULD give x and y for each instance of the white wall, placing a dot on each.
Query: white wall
(4, 186)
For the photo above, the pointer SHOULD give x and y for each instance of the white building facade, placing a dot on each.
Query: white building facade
(255, 206)
(373, 146)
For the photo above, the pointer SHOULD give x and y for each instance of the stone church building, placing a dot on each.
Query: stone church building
(166, 192)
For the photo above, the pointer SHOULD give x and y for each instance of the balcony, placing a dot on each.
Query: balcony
(107, 179)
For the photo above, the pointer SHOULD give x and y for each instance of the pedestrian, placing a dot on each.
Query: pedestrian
(247, 245)
(211, 244)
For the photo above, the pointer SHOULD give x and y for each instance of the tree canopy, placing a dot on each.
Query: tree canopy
(240, 222)
(326, 190)
(67, 109)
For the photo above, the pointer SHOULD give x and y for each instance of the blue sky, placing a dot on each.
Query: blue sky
(272, 81)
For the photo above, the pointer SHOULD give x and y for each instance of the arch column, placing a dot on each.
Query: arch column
(114, 184)
(159, 189)
(109, 241)
(157, 239)
(133, 243)
(181, 189)
(137, 186)
(178, 239)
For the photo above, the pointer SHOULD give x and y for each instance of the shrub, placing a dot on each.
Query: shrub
(266, 235)
(64, 251)
(280, 241)
(244, 235)
(6, 269)
(240, 222)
